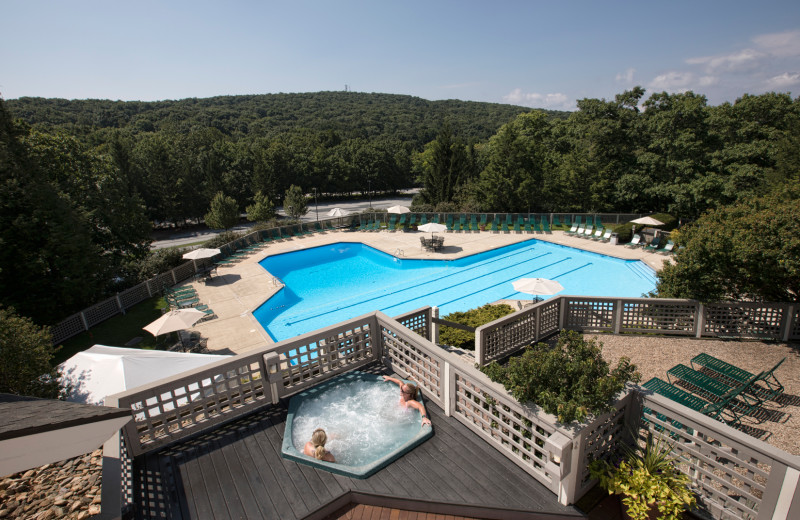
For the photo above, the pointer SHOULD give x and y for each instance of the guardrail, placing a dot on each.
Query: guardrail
(506, 335)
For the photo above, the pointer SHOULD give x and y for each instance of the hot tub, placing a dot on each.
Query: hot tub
(367, 427)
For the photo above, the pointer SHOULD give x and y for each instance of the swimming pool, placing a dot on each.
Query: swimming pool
(329, 284)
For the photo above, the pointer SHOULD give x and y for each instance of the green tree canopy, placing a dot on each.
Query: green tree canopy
(223, 213)
(25, 354)
(261, 210)
(295, 203)
(748, 251)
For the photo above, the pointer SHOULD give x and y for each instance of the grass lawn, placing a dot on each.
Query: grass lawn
(119, 330)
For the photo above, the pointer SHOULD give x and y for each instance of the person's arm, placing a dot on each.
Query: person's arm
(393, 380)
(421, 407)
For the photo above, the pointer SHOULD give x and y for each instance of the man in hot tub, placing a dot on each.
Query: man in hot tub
(408, 397)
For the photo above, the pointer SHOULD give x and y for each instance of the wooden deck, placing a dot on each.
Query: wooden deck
(237, 471)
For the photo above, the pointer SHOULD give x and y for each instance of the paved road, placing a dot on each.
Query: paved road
(182, 238)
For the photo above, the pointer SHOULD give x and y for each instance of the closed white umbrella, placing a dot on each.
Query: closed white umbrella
(398, 209)
(174, 320)
(537, 286)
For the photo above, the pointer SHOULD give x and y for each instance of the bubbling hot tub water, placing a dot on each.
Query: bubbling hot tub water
(363, 420)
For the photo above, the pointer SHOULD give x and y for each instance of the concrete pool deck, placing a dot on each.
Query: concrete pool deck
(238, 289)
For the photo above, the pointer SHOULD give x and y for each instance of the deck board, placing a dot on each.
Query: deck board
(237, 471)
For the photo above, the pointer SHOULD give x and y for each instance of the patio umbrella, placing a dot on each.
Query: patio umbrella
(537, 286)
(432, 227)
(174, 320)
(338, 212)
(203, 252)
(398, 209)
(646, 221)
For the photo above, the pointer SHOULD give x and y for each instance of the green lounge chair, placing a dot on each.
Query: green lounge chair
(668, 248)
(636, 241)
(537, 225)
(473, 222)
(545, 225)
(483, 221)
(423, 219)
(449, 223)
(436, 218)
(556, 222)
(494, 224)
(530, 223)
(654, 244)
(598, 233)
(504, 226)
(402, 222)
(518, 225)
(739, 376)
(573, 230)
(412, 219)
(720, 411)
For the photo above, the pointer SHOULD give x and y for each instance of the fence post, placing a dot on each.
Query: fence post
(174, 279)
(700, 322)
(85, 323)
(617, 316)
(788, 322)
(562, 312)
(119, 304)
(449, 386)
(434, 326)
(111, 490)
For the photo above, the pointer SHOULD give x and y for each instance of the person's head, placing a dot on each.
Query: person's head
(409, 391)
(318, 439)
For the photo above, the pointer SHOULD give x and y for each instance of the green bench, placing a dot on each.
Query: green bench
(773, 389)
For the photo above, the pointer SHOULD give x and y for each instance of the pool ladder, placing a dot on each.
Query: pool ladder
(276, 281)
(399, 252)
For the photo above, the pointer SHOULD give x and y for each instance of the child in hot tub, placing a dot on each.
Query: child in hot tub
(408, 397)
(316, 446)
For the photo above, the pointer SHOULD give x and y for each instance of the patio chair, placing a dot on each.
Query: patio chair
(530, 223)
(391, 226)
(518, 224)
(607, 235)
(718, 411)
(573, 230)
(504, 227)
(635, 241)
(483, 220)
(739, 376)
(746, 400)
(546, 225)
(402, 222)
(495, 229)
(473, 222)
(449, 223)
(667, 249)
(653, 245)
(598, 234)
(412, 219)
(587, 233)
(556, 221)
(423, 219)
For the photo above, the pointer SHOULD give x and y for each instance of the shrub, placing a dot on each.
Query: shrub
(472, 318)
(569, 381)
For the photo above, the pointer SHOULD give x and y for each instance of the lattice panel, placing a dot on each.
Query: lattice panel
(505, 338)
(161, 282)
(126, 478)
(304, 362)
(72, 326)
(165, 413)
(600, 439)
(549, 317)
(420, 366)
(590, 314)
(182, 272)
(134, 295)
(794, 332)
(760, 321)
(522, 439)
(664, 317)
(728, 478)
(417, 321)
(102, 311)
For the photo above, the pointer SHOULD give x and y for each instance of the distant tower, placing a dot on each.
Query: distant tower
(346, 87)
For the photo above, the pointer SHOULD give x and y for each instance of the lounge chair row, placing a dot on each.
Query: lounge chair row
(656, 245)
(718, 389)
(187, 297)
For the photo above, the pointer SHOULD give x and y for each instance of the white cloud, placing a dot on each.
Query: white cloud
(626, 77)
(782, 81)
(557, 100)
(741, 61)
(708, 81)
(673, 81)
(780, 44)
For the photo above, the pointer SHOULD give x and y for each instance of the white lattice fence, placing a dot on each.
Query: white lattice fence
(418, 321)
(415, 359)
(666, 317)
(510, 333)
(589, 314)
(733, 475)
(745, 319)
(176, 408)
(519, 433)
(297, 364)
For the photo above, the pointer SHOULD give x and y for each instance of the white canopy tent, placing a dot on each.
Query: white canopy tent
(102, 371)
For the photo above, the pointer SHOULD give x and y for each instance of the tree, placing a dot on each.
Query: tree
(748, 251)
(261, 210)
(223, 213)
(25, 354)
(295, 203)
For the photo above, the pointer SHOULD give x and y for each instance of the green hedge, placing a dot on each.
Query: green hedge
(472, 318)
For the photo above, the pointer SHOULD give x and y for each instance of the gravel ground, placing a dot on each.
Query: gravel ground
(779, 421)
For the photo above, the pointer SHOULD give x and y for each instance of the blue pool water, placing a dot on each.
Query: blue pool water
(328, 284)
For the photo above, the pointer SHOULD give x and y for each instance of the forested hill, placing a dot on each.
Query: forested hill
(349, 114)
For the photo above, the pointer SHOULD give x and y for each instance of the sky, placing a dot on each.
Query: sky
(530, 53)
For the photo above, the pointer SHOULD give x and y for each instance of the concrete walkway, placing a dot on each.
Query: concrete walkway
(240, 288)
